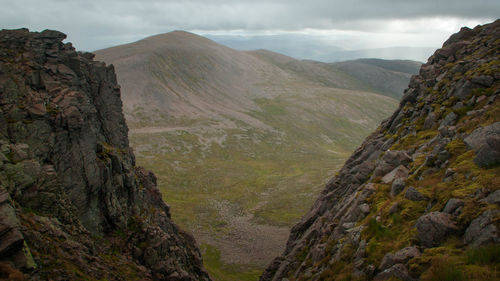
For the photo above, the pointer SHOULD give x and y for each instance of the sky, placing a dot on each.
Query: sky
(353, 24)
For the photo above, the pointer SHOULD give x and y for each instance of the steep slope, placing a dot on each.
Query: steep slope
(419, 199)
(73, 205)
(233, 139)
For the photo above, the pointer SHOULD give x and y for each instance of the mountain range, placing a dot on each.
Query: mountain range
(318, 48)
(233, 135)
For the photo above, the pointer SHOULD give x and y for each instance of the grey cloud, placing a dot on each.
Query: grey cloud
(106, 22)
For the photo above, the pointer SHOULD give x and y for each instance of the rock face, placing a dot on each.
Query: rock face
(73, 204)
(441, 145)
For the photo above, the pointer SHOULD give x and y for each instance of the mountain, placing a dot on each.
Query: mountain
(242, 142)
(383, 76)
(73, 204)
(317, 48)
(419, 199)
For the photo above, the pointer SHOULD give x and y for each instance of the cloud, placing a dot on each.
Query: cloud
(99, 23)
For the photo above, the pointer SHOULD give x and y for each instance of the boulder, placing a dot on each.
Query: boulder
(397, 186)
(482, 230)
(434, 227)
(413, 194)
(453, 206)
(396, 271)
(449, 119)
(402, 256)
(401, 172)
(485, 141)
(391, 160)
(483, 80)
(493, 198)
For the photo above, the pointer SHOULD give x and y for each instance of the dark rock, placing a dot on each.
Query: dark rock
(483, 80)
(434, 227)
(397, 186)
(453, 206)
(413, 194)
(401, 256)
(391, 160)
(493, 198)
(482, 230)
(449, 119)
(401, 172)
(396, 271)
(429, 121)
(485, 141)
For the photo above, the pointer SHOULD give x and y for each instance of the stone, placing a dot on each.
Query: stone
(485, 141)
(483, 80)
(394, 208)
(396, 271)
(19, 152)
(365, 208)
(391, 160)
(492, 198)
(397, 186)
(449, 119)
(434, 227)
(413, 194)
(482, 230)
(401, 172)
(401, 256)
(429, 121)
(453, 206)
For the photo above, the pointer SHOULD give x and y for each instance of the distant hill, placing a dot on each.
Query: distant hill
(317, 48)
(242, 141)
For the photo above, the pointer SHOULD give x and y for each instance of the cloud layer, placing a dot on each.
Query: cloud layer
(95, 24)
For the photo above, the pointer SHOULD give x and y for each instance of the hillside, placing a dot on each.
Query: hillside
(382, 76)
(73, 204)
(419, 199)
(242, 142)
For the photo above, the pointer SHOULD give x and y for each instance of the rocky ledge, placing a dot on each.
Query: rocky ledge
(73, 204)
(420, 199)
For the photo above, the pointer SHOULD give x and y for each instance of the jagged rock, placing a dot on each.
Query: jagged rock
(396, 271)
(401, 256)
(449, 119)
(397, 186)
(70, 174)
(12, 240)
(401, 172)
(391, 160)
(493, 198)
(434, 227)
(413, 194)
(483, 80)
(453, 206)
(430, 121)
(482, 230)
(485, 141)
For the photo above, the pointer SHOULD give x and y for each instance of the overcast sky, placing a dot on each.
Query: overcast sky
(353, 24)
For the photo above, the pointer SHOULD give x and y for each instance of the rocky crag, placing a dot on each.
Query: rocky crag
(420, 198)
(73, 205)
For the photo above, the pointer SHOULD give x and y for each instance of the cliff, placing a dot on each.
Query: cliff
(73, 204)
(419, 199)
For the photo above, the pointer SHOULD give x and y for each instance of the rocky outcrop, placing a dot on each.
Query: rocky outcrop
(441, 146)
(73, 204)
